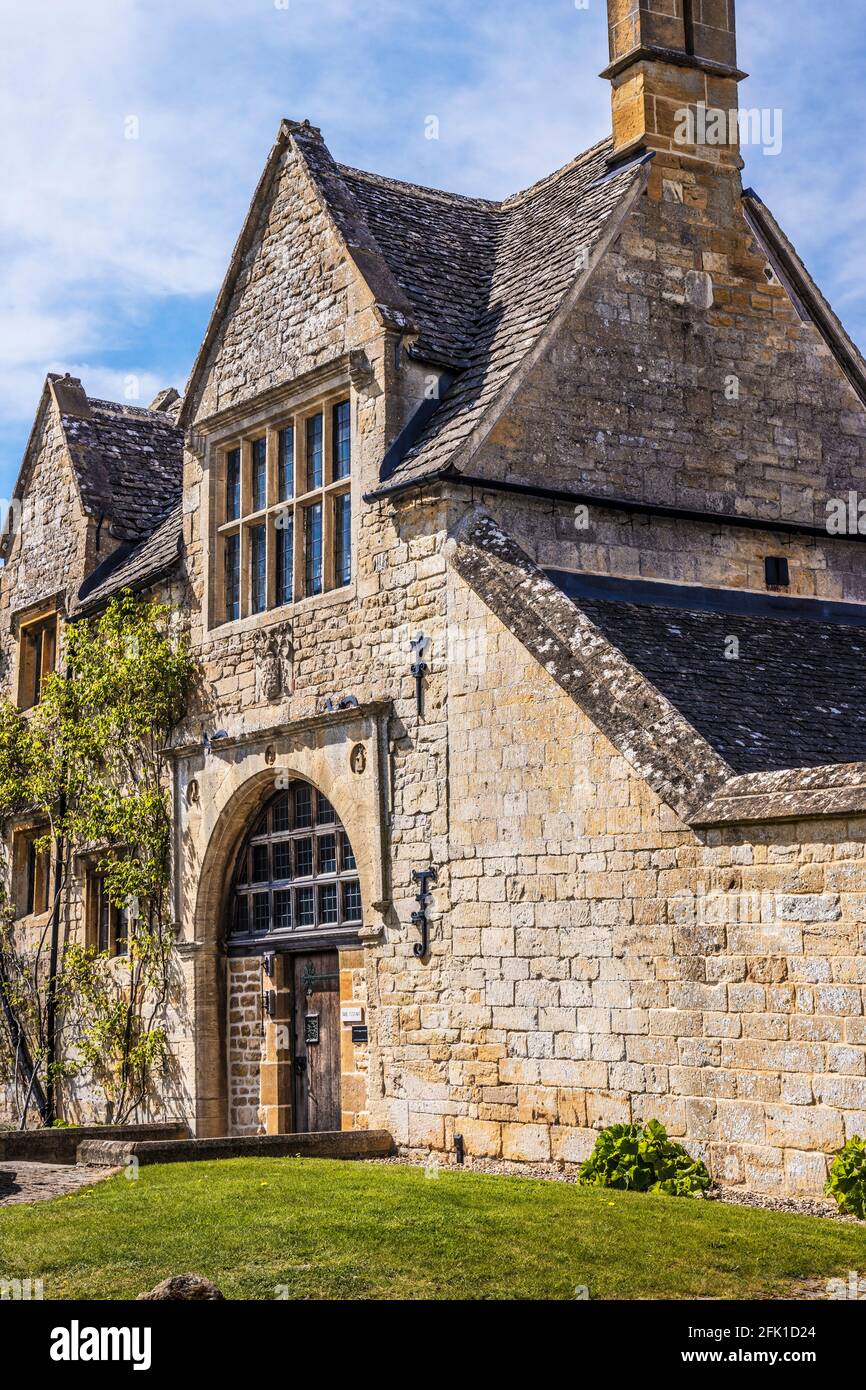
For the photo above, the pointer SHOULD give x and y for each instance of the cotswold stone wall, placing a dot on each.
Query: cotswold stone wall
(597, 961)
(47, 557)
(245, 1040)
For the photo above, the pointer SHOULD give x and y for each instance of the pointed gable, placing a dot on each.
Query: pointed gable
(284, 308)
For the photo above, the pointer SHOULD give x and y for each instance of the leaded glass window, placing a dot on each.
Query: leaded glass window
(296, 872)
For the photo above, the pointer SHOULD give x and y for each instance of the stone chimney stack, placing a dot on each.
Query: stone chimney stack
(673, 69)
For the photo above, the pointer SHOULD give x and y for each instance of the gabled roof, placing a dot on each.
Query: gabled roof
(441, 248)
(347, 220)
(129, 464)
(474, 283)
(136, 567)
(545, 245)
(774, 735)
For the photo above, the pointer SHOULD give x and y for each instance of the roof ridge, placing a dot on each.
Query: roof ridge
(161, 416)
(586, 157)
(422, 190)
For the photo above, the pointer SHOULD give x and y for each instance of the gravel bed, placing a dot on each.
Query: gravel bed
(733, 1196)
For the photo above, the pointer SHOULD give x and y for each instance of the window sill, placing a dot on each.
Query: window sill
(34, 919)
(254, 622)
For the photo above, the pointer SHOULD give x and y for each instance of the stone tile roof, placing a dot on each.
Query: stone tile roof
(649, 731)
(795, 697)
(497, 274)
(129, 464)
(778, 735)
(135, 567)
(441, 248)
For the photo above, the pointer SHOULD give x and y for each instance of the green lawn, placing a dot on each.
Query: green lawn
(358, 1231)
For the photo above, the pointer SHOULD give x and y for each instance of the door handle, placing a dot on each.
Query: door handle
(300, 1065)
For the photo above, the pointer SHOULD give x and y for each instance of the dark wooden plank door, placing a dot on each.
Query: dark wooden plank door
(317, 1042)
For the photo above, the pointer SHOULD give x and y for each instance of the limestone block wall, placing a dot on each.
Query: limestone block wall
(598, 961)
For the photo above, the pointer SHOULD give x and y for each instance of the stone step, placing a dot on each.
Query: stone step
(347, 1144)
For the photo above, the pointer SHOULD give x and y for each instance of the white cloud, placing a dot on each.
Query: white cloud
(98, 231)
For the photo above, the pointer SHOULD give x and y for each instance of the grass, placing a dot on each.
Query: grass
(325, 1230)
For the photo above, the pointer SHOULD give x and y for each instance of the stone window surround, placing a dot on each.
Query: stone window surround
(317, 394)
(34, 615)
(93, 894)
(23, 834)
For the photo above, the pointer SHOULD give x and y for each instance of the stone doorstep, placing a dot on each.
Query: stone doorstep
(346, 1144)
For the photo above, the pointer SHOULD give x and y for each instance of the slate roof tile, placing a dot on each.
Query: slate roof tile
(510, 288)
(794, 698)
(134, 569)
(129, 465)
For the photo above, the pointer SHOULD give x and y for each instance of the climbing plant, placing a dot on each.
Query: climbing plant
(88, 764)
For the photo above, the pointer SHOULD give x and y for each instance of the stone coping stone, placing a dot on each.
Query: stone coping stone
(62, 1145)
(349, 1144)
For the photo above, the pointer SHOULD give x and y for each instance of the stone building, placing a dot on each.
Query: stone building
(529, 790)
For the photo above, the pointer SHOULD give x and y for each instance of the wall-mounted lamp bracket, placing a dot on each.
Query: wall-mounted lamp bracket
(423, 877)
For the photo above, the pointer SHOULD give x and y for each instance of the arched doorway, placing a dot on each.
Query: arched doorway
(294, 902)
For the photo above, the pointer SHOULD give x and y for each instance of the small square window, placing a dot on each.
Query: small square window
(777, 572)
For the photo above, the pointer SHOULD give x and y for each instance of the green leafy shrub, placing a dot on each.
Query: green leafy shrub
(847, 1180)
(643, 1160)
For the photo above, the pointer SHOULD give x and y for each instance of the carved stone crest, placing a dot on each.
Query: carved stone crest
(274, 655)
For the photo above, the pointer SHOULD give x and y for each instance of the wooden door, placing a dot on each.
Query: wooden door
(317, 1042)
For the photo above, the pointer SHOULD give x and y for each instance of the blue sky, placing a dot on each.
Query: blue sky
(112, 249)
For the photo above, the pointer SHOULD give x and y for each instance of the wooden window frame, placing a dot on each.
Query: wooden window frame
(107, 924)
(31, 874)
(37, 658)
